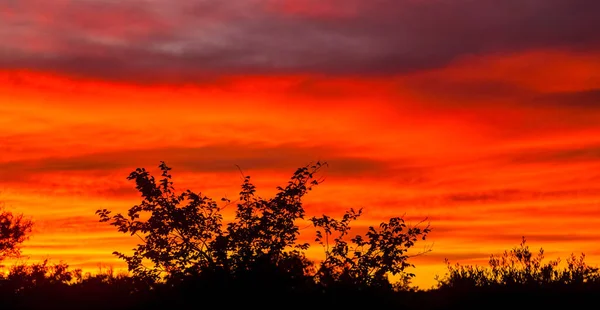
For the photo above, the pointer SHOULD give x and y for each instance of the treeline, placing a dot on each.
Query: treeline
(188, 255)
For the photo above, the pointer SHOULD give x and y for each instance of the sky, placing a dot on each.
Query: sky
(481, 116)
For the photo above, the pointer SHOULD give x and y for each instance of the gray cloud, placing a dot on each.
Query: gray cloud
(153, 40)
(211, 158)
(587, 153)
(587, 99)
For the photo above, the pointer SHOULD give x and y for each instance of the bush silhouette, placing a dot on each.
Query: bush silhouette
(520, 267)
(189, 254)
(182, 236)
(14, 229)
(367, 260)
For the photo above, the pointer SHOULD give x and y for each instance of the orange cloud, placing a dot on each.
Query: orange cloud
(489, 148)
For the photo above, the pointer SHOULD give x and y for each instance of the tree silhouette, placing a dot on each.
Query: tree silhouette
(367, 260)
(179, 232)
(188, 254)
(183, 235)
(264, 231)
(14, 229)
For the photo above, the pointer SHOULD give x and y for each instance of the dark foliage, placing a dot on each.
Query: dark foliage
(189, 256)
(367, 260)
(521, 268)
(14, 229)
(183, 236)
(520, 277)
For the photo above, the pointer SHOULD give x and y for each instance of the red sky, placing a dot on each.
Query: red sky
(482, 116)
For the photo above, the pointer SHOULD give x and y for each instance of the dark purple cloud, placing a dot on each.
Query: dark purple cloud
(587, 153)
(210, 158)
(585, 100)
(166, 40)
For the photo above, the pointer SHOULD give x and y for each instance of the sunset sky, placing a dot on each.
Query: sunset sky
(483, 116)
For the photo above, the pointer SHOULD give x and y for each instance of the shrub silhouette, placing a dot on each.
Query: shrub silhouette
(55, 285)
(14, 229)
(183, 236)
(189, 254)
(22, 277)
(369, 259)
(520, 267)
